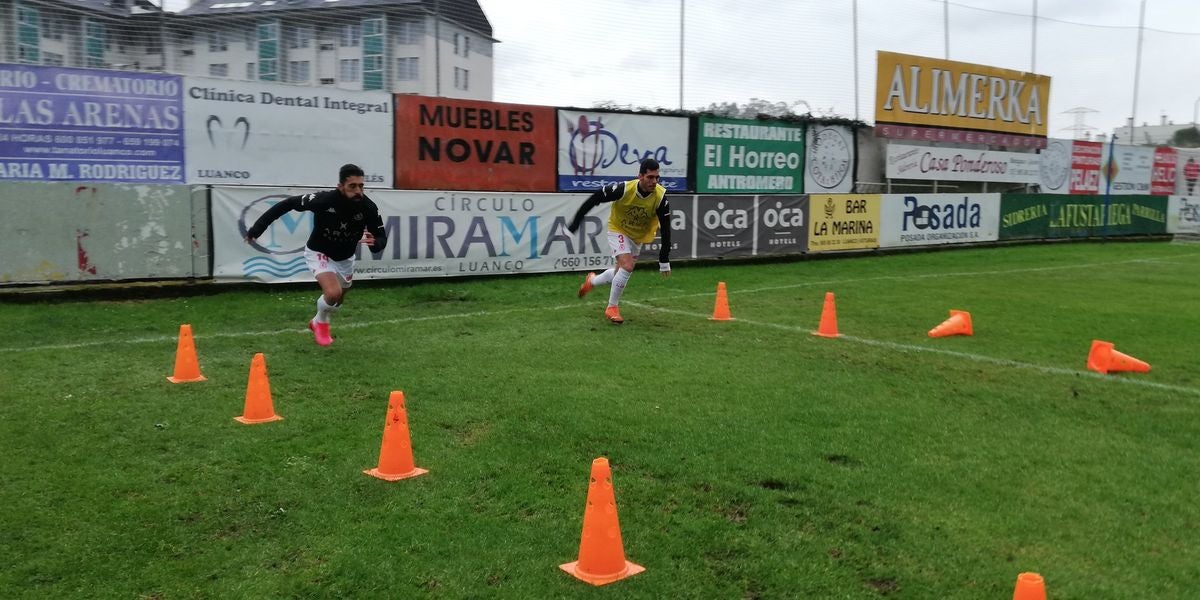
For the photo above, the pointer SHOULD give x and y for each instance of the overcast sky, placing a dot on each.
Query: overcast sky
(579, 52)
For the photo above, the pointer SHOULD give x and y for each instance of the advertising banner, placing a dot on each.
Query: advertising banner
(958, 136)
(599, 148)
(451, 144)
(958, 164)
(60, 124)
(1129, 172)
(918, 90)
(781, 226)
(724, 226)
(1187, 171)
(1038, 216)
(1070, 167)
(929, 219)
(831, 160)
(250, 132)
(430, 234)
(1183, 215)
(1162, 174)
(740, 156)
(683, 230)
(843, 222)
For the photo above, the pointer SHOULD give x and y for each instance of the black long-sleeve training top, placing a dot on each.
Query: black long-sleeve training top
(338, 225)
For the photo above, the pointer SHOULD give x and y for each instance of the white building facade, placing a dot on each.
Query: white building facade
(429, 47)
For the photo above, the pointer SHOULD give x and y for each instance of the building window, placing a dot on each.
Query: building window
(462, 45)
(300, 37)
(250, 72)
(52, 28)
(408, 69)
(348, 69)
(217, 41)
(372, 49)
(51, 59)
(268, 69)
(350, 36)
(218, 70)
(249, 38)
(298, 71)
(94, 44)
(28, 35)
(461, 79)
(268, 51)
(410, 32)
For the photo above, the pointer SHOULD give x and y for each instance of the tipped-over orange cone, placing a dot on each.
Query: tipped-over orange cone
(1103, 358)
(187, 368)
(721, 308)
(259, 408)
(828, 326)
(1030, 586)
(959, 323)
(395, 456)
(601, 553)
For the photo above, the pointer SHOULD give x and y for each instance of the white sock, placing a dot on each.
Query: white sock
(618, 286)
(604, 278)
(324, 309)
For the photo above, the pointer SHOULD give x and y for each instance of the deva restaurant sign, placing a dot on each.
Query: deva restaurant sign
(916, 90)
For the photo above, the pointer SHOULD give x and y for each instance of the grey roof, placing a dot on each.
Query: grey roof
(112, 8)
(466, 12)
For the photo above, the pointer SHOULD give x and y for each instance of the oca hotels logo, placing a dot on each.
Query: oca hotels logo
(935, 216)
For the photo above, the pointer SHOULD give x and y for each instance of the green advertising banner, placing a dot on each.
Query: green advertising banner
(1037, 216)
(738, 156)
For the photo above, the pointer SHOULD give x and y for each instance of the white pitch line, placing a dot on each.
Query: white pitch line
(488, 313)
(1004, 362)
(920, 276)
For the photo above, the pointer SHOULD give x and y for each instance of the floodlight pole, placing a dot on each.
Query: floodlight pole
(681, 7)
(1137, 73)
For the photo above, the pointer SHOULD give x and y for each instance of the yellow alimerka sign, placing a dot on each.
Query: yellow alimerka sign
(916, 90)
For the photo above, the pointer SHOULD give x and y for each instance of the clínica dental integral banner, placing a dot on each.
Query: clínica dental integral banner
(249, 132)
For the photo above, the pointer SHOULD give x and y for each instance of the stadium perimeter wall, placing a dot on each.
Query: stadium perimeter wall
(70, 233)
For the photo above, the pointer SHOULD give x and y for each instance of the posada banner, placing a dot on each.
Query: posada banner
(449, 144)
(430, 234)
(916, 90)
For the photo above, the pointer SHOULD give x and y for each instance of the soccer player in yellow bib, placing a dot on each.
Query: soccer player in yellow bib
(639, 210)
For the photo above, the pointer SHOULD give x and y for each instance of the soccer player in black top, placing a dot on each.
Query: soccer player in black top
(343, 218)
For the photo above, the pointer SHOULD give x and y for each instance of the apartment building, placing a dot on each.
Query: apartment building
(431, 47)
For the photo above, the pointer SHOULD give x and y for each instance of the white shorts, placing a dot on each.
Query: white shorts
(621, 244)
(319, 263)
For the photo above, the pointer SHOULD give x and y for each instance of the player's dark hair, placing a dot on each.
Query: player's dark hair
(350, 170)
(648, 164)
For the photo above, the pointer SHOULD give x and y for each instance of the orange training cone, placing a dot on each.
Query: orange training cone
(959, 323)
(1030, 586)
(1103, 358)
(721, 308)
(601, 553)
(828, 326)
(187, 368)
(259, 408)
(395, 456)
